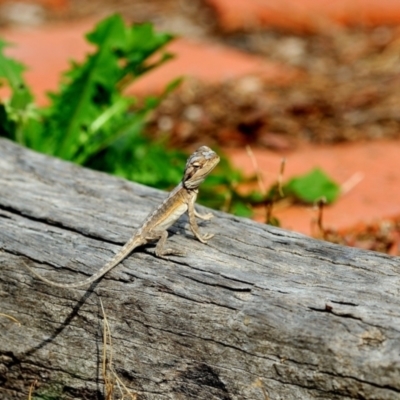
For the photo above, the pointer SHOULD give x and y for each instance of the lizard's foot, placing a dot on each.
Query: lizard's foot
(208, 236)
(204, 238)
(169, 252)
(204, 217)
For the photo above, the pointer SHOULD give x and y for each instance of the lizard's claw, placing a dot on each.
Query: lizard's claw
(203, 239)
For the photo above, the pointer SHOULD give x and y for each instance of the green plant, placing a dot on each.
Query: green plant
(90, 112)
(15, 112)
(311, 187)
(91, 121)
(307, 188)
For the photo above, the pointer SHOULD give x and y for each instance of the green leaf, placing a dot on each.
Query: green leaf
(110, 32)
(7, 125)
(274, 221)
(17, 111)
(87, 90)
(241, 209)
(142, 42)
(312, 186)
(11, 71)
(90, 112)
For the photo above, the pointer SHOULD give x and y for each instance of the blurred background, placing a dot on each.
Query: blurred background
(316, 82)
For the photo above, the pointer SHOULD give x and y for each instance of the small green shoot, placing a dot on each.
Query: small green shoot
(311, 187)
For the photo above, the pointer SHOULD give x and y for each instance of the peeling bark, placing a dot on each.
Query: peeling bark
(308, 319)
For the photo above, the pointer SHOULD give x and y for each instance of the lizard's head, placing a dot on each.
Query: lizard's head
(198, 166)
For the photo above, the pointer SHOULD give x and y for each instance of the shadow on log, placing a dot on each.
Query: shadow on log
(256, 306)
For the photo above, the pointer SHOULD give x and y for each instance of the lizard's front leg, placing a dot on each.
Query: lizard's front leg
(193, 224)
(205, 217)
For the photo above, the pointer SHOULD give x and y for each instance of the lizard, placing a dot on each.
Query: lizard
(154, 227)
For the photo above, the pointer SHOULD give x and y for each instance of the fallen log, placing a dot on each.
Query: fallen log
(257, 313)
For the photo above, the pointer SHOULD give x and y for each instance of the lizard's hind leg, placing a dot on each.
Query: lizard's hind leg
(160, 251)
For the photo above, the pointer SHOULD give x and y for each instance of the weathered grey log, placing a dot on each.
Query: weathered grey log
(312, 320)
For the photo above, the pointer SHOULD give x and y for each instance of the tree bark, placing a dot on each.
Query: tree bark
(258, 312)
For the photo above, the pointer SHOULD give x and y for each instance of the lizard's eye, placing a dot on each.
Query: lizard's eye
(196, 165)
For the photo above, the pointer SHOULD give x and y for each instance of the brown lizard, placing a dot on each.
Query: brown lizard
(154, 227)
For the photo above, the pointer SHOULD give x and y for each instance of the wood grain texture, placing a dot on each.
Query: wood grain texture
(312, 320)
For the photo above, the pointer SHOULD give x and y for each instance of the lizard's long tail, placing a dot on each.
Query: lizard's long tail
(122, 254)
